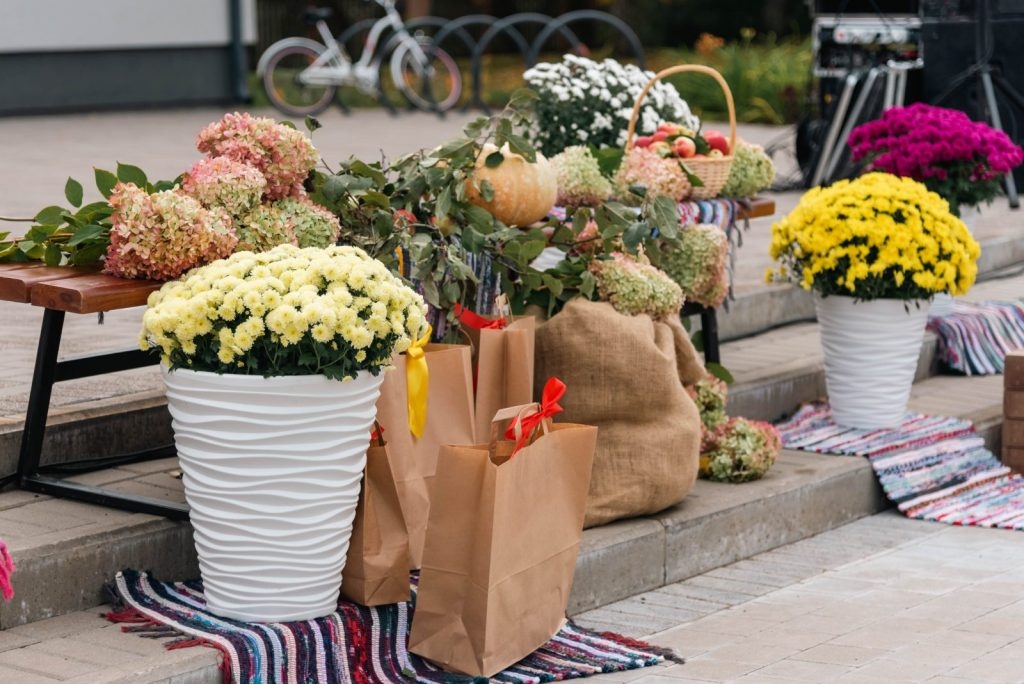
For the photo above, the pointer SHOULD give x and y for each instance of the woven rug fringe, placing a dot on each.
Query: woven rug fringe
(666, 653)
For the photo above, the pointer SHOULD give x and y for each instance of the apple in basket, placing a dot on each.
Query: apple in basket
(717, 141)
(684, 147)
(644, 141)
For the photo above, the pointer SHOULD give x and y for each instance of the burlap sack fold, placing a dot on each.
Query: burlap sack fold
(376, 569)
(501, 549)
(627, 375)
(449, 420)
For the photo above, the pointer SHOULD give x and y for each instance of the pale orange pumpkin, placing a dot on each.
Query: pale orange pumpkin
(524, 192)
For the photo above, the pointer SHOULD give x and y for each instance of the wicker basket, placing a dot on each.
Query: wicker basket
(713, 171)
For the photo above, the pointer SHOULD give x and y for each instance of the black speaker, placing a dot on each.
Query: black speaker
(949, 51)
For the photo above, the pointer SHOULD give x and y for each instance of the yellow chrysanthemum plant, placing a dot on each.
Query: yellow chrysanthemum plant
(878, 236)
(334, 311)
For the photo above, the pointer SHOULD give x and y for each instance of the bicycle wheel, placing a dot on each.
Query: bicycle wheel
(286, 92)
(432, 86)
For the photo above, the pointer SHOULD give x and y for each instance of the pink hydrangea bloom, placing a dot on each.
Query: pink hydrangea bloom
(160, 236)
(312, 225)
(662, 176)
(634, 288)
(224, 182)
(284, 155)
(740, 450)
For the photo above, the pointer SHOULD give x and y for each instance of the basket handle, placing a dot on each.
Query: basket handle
(679, 69)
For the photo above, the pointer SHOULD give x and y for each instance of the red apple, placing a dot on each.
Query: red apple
(670, 128)
(643, 141)
(684, 147)
(717, 141)
(659, 136)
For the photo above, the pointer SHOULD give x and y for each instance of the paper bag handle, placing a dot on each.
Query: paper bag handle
(516, 414)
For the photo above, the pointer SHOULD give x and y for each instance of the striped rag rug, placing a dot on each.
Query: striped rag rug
(975, 336)
(931, 467)
(354, 644)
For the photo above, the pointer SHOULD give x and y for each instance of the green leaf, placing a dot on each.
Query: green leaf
(443, 206)
(522, 97)
(552, 283)
(105, 182)
(494, 160)
(126, 173)
(486, 190)
(363, 169)
(334, 187)
(694, 179)
(531, 249)
(521, 146)
(634, 235)
(53, 255)
(481, 220)
(472, 239)
(665, 212)
(289, 124)
(377, 199)
(39, 234)
(475, 127)
(455, 148)
(162, 185)
(697, 339)
(720, 372)
(73, 192)
(587, 284)
(312, 123)
(51, 215)
(87, 233)
(608, 159)
(503, 132)
(31, 249)
(431, 294)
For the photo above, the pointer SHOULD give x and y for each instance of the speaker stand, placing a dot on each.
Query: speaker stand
(988, 78)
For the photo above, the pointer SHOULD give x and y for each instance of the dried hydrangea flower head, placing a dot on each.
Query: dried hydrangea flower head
(580, 182)
(634, 287)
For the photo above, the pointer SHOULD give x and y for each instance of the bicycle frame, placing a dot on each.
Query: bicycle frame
(335, 67)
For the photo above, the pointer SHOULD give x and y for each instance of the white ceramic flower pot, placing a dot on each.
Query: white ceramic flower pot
(272, 469)
(871, 352)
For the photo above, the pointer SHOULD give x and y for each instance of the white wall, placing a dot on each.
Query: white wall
(74, 25)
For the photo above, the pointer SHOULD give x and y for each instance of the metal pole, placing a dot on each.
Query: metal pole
(239, 64)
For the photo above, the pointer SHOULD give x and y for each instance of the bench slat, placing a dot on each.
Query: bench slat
(92, 293)
(759, 207)
(18, 280)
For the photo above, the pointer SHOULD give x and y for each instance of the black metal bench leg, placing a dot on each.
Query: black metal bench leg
(43, 377)
(709, 331)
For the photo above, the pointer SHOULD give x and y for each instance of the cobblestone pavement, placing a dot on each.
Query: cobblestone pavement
(883, 599)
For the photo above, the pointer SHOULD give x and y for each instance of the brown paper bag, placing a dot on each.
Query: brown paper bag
(502, 365)
(449, 420)
(501, 549)
(377, 567)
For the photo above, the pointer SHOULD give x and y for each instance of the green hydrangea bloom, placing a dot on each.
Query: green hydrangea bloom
(752, 171)
(710, 394)
(580, 183)
(263, 228)
(699, 264)
(635, 288)
(740, 450)
(313, 225)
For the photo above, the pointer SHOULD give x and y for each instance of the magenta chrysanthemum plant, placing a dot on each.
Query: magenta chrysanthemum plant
(224, 182)
(161, 235)
(284, 155)
(961, 160)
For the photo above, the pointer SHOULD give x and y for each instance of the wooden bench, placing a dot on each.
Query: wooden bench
(59, 291)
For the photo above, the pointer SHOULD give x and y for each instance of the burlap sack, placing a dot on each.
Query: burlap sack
(627, 375)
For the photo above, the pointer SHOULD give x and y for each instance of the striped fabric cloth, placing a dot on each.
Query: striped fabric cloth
(931, 467)
(975, 337)
(354, 644)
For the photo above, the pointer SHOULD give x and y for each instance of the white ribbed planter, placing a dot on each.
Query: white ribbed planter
(871, 351)
(272, 469)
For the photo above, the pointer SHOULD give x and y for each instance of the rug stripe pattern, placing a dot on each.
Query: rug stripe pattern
(975, 337)
(355, 644)
(931, 467)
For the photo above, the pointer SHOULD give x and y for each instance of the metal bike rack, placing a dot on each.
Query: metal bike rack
(587, 15)
(496, 29)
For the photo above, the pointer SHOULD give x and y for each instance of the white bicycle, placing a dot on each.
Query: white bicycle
(302, 76)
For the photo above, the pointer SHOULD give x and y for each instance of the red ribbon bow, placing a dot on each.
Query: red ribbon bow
(522, 428)
(476, 321)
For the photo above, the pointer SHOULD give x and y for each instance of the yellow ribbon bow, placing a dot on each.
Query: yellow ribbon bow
(417, 382)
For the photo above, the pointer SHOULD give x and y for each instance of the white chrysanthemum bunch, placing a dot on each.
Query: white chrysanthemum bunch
(288, 311)
(586, 102)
